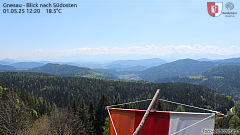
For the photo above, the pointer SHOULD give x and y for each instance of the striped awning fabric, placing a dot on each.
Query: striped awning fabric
(160, 122)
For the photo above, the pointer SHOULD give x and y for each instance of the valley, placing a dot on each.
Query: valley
(85, 92)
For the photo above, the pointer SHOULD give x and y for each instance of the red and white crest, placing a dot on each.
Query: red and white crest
(214, 8)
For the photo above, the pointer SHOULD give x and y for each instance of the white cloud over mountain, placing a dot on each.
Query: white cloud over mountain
(144, 50)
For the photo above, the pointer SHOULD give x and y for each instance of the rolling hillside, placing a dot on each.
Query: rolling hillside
(7, 68)
(223, 79)
(131, 63)
(26, 65)
(67, 70)
(62, 90)
(231, 60)
(185, 67)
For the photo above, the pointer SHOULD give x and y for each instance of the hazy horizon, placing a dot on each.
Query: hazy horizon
(165, 58)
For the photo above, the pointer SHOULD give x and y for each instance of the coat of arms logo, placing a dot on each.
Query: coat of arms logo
(215, 8)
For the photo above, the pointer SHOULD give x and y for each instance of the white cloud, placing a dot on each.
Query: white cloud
(236, 48)
(145, 50)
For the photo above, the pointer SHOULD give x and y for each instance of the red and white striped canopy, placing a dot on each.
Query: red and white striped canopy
(160, 122)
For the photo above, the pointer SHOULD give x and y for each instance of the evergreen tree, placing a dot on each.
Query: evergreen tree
(91, 112)
(69, 108)
(54, 106)
(85, 117)
(116, 102)
(100, 115)
(83, 111)
(74, 107)
(234, 122)
(160, 106)
(221, 123)
(106, 127)
(180, 109)
(91, 130)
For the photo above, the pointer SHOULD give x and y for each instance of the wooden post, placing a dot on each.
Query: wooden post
(146, 113)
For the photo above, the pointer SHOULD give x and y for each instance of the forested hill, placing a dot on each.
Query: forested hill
(231, 60)
(227, 71)
(223, 79)
(68, 70)
(7, 68)
(26, 65)
(62, 90)
(185, 67)
(130, 63)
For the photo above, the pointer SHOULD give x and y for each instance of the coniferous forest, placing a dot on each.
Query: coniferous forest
(223, 79)
(48, 104)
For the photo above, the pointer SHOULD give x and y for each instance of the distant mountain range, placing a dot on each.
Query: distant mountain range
(224, 79)
(143, 62)
(145, 69)
(204, 59)
(26, 65)
(232, 60)
(75, 71)
(185, 67)
(7, 61)
(60, 70)
(220, 75)
(115, 64)
(7, 68)
(130, 69)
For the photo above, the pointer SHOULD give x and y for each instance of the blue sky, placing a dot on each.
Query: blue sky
(120, 29)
